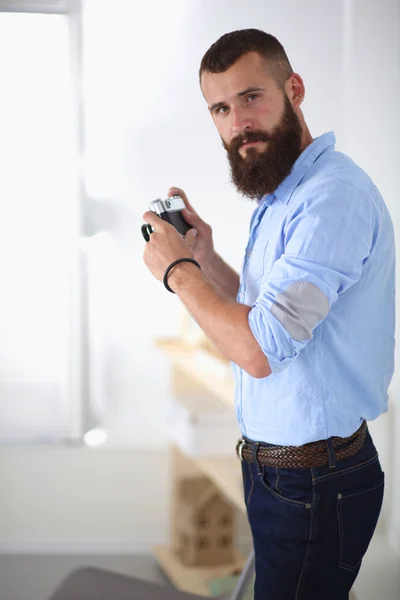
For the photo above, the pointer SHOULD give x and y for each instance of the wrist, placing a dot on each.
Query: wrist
(211, 262)
(181, 273)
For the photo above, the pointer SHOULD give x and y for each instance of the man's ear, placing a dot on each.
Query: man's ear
(295, 90)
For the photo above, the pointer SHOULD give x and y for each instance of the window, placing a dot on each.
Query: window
(38, 226)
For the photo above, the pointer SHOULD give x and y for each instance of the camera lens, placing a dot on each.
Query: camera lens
(147, 230)
(168, 204)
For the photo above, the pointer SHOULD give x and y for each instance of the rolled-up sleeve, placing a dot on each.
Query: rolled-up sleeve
(327, 237)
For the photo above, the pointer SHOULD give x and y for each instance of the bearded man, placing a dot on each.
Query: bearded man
(308, 324)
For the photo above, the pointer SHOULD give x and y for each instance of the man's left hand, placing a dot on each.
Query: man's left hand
(165, 245)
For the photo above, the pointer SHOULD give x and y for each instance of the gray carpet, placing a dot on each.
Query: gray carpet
(34, 577)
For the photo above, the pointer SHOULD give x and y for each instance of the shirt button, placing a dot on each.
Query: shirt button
(308, 505)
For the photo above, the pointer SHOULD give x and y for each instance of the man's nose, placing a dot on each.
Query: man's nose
(240, 122)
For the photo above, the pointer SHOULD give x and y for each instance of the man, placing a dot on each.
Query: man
(309, 325)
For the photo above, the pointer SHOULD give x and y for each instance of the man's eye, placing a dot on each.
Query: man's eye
(222, 110)
(252, 97)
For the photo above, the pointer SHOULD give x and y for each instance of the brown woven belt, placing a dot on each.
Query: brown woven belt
(314, 454)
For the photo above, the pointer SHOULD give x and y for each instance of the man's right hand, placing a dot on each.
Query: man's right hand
(221, 276)
(203, 247)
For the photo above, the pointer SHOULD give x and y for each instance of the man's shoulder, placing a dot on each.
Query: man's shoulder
(335, 172)
(336, 167)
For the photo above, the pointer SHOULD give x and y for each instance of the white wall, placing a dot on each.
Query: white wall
(72, 500)
(161, 136)
(371, 136)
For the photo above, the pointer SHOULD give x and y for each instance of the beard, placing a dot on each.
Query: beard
(260, 173)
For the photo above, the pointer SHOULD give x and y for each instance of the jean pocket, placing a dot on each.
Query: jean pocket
(290, 488)
(248, 482)
(357, 514)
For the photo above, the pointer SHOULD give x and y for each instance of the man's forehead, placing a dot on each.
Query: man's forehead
(250, 71)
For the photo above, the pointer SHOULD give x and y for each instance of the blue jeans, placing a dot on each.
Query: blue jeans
(311, 527)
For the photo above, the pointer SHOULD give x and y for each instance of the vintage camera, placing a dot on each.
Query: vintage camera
(169, 210)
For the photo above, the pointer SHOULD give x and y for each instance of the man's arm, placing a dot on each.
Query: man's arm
(222, 277)
(224, 321)
(209, 294)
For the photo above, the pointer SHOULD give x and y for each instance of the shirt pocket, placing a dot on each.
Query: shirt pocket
(257, 260)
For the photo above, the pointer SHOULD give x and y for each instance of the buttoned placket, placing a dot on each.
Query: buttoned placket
(257, 216)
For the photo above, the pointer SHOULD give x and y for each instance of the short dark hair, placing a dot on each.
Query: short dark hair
(232, 46)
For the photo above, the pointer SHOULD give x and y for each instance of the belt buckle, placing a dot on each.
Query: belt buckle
(239, 449)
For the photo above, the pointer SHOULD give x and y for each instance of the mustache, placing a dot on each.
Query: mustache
(248, 137)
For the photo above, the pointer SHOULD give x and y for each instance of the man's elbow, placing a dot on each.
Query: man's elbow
(259, 368)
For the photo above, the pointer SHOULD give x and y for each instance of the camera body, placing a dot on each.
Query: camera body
(169, 210)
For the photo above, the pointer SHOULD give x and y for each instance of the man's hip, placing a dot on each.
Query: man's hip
(312, 526)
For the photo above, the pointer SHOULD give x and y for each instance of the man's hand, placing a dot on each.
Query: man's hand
(165, 245)
(222, 277)
(203, 247)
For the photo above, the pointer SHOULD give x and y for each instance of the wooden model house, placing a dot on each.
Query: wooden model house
(205, 524)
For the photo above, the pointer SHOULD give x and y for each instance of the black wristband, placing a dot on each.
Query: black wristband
(176, 262)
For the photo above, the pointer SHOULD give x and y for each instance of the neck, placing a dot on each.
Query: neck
(306, 138)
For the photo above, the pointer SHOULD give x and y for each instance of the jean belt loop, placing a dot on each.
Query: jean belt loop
(256, 446)
(331, 454)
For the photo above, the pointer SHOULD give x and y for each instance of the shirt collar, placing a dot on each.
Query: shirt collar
(306, 159)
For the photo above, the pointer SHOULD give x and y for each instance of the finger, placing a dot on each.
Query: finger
(175, 191)
(154, 220)
(190, 237)
(193, 219)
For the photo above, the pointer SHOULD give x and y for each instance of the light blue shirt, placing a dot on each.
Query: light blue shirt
(319, 274)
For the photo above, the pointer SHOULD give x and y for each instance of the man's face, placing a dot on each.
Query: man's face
(259, 128)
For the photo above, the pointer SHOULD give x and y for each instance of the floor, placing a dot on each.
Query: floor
(34, 577)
